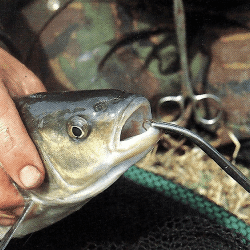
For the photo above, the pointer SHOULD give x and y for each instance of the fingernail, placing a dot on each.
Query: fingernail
(29, 176)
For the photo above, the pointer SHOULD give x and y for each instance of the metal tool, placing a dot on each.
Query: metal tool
(227, 166)
(187, 93)
(29, 204)
(9, 235)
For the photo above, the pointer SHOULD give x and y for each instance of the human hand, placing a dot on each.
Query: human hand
(19, 159)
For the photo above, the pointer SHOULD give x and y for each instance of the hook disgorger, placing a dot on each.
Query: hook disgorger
(227, 166)
(9, 235)
(29, 203)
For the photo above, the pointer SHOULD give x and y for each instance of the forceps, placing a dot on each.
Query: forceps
(187, 93)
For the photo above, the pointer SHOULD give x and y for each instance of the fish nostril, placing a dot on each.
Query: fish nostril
(134, 124)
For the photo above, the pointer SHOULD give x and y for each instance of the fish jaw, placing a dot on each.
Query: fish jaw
(121, 161)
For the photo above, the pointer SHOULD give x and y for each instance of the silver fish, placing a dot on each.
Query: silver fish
(87, 140)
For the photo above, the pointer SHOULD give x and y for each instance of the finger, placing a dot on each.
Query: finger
(10, 197)
(7, 221)
(18, 79)
(18, 154)
(11, 201)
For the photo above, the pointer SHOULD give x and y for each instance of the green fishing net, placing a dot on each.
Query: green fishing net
(143, 211)
(187, 196)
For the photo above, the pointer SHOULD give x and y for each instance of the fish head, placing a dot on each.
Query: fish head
(86, 139)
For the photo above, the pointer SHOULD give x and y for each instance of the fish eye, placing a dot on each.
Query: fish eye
(78, 127)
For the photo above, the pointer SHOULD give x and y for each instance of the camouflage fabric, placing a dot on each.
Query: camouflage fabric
(76, 41)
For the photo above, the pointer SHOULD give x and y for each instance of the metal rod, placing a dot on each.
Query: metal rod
(227, 166)
(180, 23)
(8, 236)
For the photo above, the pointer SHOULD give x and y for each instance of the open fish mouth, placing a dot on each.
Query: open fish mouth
(133, 125)
(131, 133)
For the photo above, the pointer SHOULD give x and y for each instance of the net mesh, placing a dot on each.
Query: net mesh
(143, 211)
(186, 196)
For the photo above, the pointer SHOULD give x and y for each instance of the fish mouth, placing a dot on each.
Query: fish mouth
(133, 126)
(131, 136)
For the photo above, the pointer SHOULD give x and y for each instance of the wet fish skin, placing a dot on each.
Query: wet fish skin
(86, 140)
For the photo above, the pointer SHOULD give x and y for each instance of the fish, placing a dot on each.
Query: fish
(86, 139)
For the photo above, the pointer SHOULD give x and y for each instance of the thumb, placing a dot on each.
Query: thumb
(18, 155)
